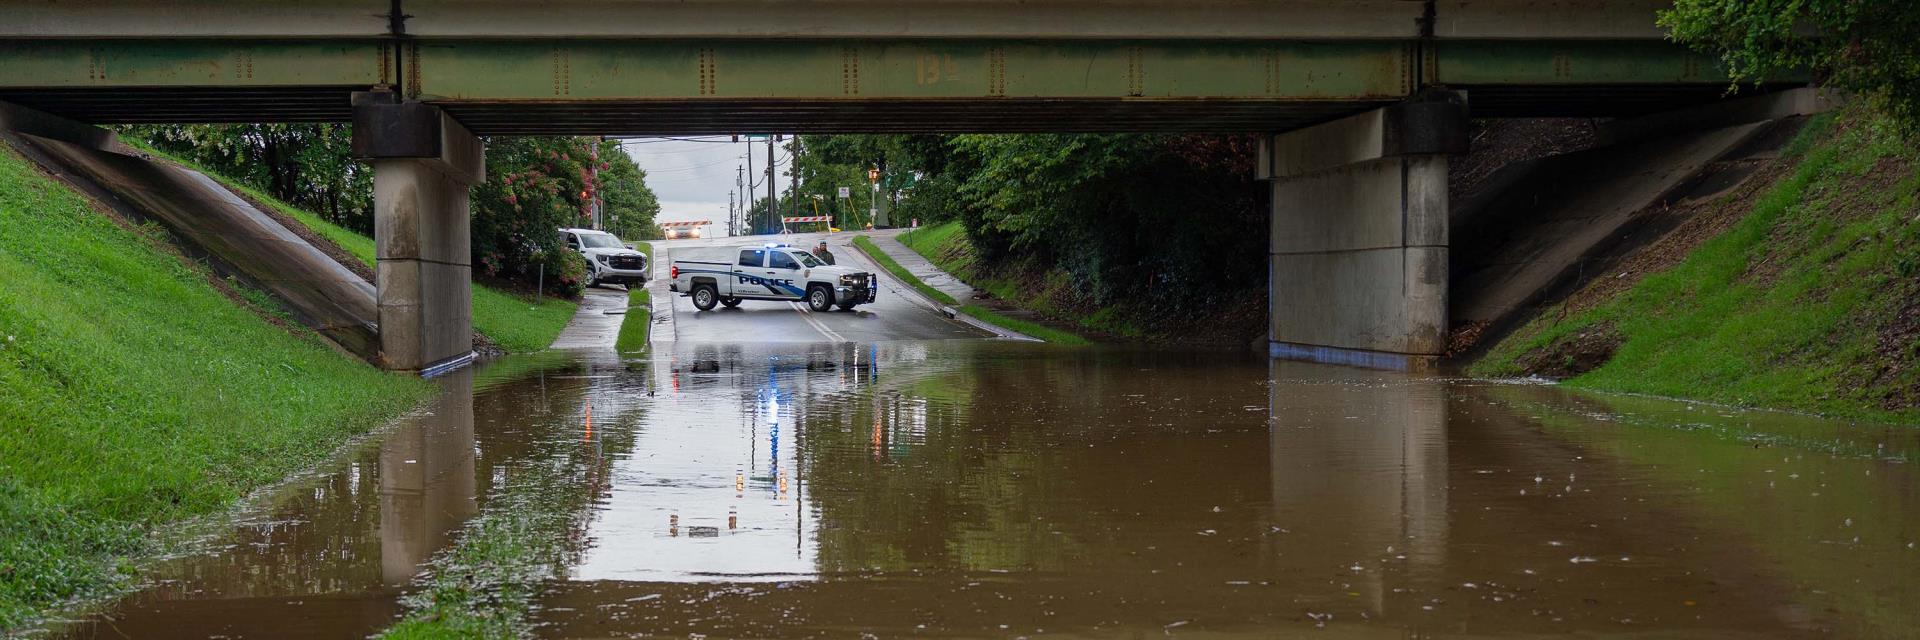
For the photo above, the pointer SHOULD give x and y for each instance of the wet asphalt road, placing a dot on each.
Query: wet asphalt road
(898, 314)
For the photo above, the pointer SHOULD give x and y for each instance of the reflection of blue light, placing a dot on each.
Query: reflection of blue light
(770, 402)
(773, 430)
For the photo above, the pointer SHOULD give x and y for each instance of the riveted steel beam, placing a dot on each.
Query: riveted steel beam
(452, 71)
(191, 63)
(678, 86)
(1573, 62)
(836, 19)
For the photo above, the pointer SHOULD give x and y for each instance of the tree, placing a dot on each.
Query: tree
(534, 188)
(310, 166)
(1869, 47)
(630, 207)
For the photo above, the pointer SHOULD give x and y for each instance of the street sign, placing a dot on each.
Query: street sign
(846, 192)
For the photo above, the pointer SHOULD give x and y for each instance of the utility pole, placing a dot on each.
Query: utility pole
(593, 185)
(873, 198)
(739, 186)
(746, 195)
(773, 199)
(793, 174)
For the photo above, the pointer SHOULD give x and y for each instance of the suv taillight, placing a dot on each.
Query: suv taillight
(674, 272)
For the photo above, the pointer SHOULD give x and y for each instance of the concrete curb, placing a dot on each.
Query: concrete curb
(998, 330)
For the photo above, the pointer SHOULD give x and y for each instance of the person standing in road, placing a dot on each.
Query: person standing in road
(822, 253)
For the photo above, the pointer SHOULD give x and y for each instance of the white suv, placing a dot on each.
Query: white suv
(609, 261)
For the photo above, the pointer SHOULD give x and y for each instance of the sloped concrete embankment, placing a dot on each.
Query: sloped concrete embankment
(1538, 229)
(208, 222)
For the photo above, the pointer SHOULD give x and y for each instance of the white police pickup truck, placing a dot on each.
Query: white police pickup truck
(729, 275)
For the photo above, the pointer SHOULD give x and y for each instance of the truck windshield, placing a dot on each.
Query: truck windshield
(600, 241)
(808, 259)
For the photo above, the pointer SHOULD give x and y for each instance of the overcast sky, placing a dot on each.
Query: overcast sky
(692, 175)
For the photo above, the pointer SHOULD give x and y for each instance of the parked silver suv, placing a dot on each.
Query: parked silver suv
(609, 261)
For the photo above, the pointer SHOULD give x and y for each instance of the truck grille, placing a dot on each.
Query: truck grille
(627, 262)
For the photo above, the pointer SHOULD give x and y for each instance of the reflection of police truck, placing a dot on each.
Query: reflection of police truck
(728, 275)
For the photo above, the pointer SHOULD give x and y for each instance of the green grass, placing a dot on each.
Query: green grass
(639, 319)
(134, 396)
(986, 315)
(892, 266)
(1034, 330)
(485, 585)
(634, 327)
(1805, 339)
(515, 322)
(930, 240)
(519, 323)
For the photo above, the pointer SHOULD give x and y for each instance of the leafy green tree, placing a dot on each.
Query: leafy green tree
(1155, 221)
(630, 207)
(310, 166)
(1870, 47)
(534, 188)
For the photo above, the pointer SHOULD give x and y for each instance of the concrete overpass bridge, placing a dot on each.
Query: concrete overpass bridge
(1366, 99)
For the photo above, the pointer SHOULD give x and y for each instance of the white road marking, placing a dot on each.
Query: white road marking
(807, 315)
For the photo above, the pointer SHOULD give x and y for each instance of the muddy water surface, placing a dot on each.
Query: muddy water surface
(979, 489)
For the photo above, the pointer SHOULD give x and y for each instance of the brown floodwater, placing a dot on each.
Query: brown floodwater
(986, 489)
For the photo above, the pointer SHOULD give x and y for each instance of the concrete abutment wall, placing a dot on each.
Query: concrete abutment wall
(1358, 248)
(423, 163)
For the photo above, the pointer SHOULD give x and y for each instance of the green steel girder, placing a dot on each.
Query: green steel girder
(598, 70)
(614, 70)
(657, 86)
(191, 63)
(1571, 62)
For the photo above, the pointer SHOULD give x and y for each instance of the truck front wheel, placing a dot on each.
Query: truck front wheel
(820, 299)
(704, 297)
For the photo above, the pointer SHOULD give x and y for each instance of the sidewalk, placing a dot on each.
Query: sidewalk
(921, 267)
(592, 326)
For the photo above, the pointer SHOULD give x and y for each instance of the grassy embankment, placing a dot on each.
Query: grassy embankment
(984, 314)
(639, 318)
(517, 323)
(946, 245)
(1809, 300)
(135, 395)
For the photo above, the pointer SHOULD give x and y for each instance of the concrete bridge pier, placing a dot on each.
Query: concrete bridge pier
(1358, 252)
(423, 163)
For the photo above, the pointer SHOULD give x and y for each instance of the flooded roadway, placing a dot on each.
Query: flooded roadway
(995, 489)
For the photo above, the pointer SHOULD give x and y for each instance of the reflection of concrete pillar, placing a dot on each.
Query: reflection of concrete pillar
(1358, 264)
(423, 162)
(427, 482)
(1359, 464)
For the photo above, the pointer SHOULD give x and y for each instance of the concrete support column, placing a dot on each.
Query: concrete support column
(1358, 251)
(423, 162)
